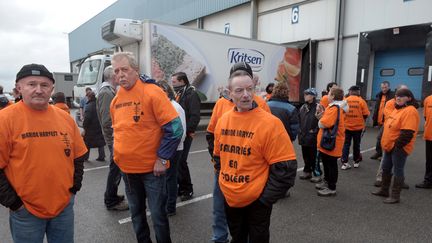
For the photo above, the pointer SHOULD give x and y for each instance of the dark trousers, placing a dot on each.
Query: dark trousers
(113, 181)
(184, 178)
(378, 148)
(330, 170)
(309, 157)
(249, 224)
(101, 151)
(171, 182)
(428, 173)
(356, 137)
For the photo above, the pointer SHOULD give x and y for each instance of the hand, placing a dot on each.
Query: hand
(191, 134)
(83, 133)
(159, 168)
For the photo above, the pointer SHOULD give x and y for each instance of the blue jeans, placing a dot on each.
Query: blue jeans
(171, 182)
(356, 137)
(138, 188)
(113, 180)
(395, 159)
(25, 227)
(220, 225)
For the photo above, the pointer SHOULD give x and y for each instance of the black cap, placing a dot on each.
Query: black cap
(354, 88)
(241, 66)
(34, 70)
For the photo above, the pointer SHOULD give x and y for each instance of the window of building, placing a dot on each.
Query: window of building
(417, 71)
(385, 72)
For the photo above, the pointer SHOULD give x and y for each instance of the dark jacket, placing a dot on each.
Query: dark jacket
(103, 101)
(191, 103)
(389, 95)
(308, 125)
(287, 113)
(93, 137)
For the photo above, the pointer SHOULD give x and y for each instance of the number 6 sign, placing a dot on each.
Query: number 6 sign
(295, 15)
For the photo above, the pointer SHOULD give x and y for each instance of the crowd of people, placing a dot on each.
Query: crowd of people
(149, 127)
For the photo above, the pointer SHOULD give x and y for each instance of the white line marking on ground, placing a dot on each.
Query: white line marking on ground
(199, 151)
(180, 204)
(96, 168)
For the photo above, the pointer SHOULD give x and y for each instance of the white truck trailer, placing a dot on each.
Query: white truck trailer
(206, 57)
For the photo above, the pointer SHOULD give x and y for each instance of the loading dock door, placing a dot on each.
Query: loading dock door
(400, 66)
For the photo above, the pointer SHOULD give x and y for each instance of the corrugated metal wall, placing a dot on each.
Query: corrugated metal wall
(86, 38)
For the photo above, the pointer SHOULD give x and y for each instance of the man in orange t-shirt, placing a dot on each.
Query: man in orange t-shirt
(147, 132)
(256, 162)
(223, 105)
(399, 135)
(41, 161)
(59, 101)
(354, 126)
(378, 117)
(427, 113)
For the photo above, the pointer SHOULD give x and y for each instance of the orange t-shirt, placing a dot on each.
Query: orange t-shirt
(137, 116)
(389, 107)
(380, 118)
(246, 150)
(328, 120)
(324, 101)
(62, 106)
(404, 118)
(223, 105)
(37, 152)
(427, 113)
(261, 103)
(354, 119)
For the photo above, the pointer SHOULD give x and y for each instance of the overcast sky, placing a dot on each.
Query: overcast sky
(37, 32)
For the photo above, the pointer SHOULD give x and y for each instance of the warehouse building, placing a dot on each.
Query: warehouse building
(361, 42)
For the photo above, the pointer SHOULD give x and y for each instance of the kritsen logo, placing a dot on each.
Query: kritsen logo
(252, 57)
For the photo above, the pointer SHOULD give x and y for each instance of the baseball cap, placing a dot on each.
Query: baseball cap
(311, 91)
(34, 70)
(242, 66)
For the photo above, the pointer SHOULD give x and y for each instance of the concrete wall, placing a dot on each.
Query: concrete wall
(238, 17)
(367, 15)
(316, 21)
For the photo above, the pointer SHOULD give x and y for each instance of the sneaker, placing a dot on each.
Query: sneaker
(100, 159)
(121, 206)
(305, 176)
(170, 214)
(186, 196)
(345, 166)
(376, 156)
(321, 185)
(316, 179)
(356, 165)
(326, 192)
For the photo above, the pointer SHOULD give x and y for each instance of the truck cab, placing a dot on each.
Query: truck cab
(91, 75)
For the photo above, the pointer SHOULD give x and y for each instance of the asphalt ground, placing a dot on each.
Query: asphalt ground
(354, 215)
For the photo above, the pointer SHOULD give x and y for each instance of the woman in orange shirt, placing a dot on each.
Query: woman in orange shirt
(329, 157)
(397, 142)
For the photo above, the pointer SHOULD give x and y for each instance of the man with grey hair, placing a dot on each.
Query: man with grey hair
(105, 95)
(147, 132)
